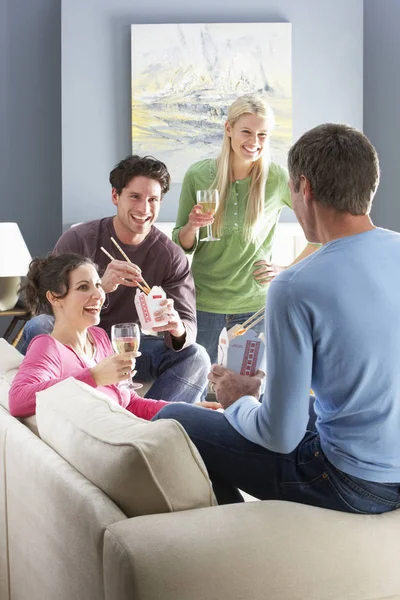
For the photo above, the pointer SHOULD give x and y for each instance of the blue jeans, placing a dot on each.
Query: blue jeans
(305, 475)
(210, 325)
(34, 327)
(177, 376)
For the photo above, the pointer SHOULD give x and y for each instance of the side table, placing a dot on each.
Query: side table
(19, 318)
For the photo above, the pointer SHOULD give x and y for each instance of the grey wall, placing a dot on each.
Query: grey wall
(327, 79)
(327, 85)
(3, 103)
(30, 119)
(381, 103)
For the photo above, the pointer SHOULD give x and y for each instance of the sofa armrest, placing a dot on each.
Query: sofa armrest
(254, 551)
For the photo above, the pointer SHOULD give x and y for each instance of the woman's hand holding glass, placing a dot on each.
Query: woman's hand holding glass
(198, 219)
(125, 338)
(208, 200)
(201, 215)
(114, 369)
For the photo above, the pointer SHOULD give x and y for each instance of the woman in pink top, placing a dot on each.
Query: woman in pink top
(68, 287)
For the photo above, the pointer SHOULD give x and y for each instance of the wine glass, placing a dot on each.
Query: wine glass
(209, 204)
(125, 337)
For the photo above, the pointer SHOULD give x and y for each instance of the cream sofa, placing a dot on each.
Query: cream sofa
(63, 538)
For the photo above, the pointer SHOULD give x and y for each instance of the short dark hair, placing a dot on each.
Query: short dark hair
(341, 165)
(138, 166)
(50, 274)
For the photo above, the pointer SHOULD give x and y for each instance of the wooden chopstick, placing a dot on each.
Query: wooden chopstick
(244, 327)
(243, 330)
(257, 314)
(120, 249)
(144, 290)
(128, 259)
(106, 253)
(252, 325)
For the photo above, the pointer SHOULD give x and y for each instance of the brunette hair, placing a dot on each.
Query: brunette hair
(341, 165)
(138, 166)
(51, 273)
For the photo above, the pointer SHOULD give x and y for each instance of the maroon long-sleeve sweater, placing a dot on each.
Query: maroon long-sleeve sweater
(162, 263)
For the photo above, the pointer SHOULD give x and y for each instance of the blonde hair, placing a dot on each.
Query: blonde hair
(254, 104)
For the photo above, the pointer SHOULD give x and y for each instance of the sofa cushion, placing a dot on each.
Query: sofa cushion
(10, 359)
(144, 467)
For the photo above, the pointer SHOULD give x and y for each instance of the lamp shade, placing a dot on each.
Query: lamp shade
(14, 254)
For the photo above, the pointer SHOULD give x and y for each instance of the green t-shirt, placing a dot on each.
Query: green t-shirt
(223, 270)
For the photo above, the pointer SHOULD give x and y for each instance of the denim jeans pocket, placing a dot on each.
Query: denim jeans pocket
(308, 477)
(361, 496)
(316, 492)
(305, 479)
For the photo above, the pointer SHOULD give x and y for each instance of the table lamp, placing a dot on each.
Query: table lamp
(14, 263)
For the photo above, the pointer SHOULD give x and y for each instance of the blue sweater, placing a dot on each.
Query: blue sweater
(333, 325)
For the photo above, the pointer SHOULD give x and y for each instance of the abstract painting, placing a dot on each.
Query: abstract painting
(185, 76)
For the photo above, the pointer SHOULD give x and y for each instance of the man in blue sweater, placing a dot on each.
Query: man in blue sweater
(333, 325)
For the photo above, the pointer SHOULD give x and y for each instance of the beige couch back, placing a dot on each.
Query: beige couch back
(5, 422)
(56, 522)
(275, 550)
(53, 512)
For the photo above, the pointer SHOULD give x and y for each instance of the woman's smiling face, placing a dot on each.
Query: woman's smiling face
(82, 305)
(248, 137)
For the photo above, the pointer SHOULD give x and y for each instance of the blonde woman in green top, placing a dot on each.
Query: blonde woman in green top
(231, 275)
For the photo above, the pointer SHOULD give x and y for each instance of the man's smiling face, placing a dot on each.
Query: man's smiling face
(138, 206)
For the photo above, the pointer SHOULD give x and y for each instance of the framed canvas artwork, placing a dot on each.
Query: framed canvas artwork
(184, 77)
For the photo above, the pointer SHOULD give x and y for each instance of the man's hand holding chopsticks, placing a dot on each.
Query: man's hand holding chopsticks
(174, 326)
(229, 386)
(120, 272)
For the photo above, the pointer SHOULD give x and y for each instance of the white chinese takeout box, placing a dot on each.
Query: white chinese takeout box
(146, 305)
(244, 353)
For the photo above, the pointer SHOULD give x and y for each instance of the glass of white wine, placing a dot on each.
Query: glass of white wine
(209, 203)
(125, 337)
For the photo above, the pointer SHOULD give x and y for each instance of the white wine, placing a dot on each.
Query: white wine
(209, 207)
(125, 344)
(208, 200)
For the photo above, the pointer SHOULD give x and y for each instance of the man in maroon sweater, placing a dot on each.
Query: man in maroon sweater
(177, 365)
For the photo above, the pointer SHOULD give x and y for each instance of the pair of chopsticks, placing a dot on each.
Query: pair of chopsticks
(250, 322)
(145, 288)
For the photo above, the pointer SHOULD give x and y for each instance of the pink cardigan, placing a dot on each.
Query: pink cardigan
(47, 362)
